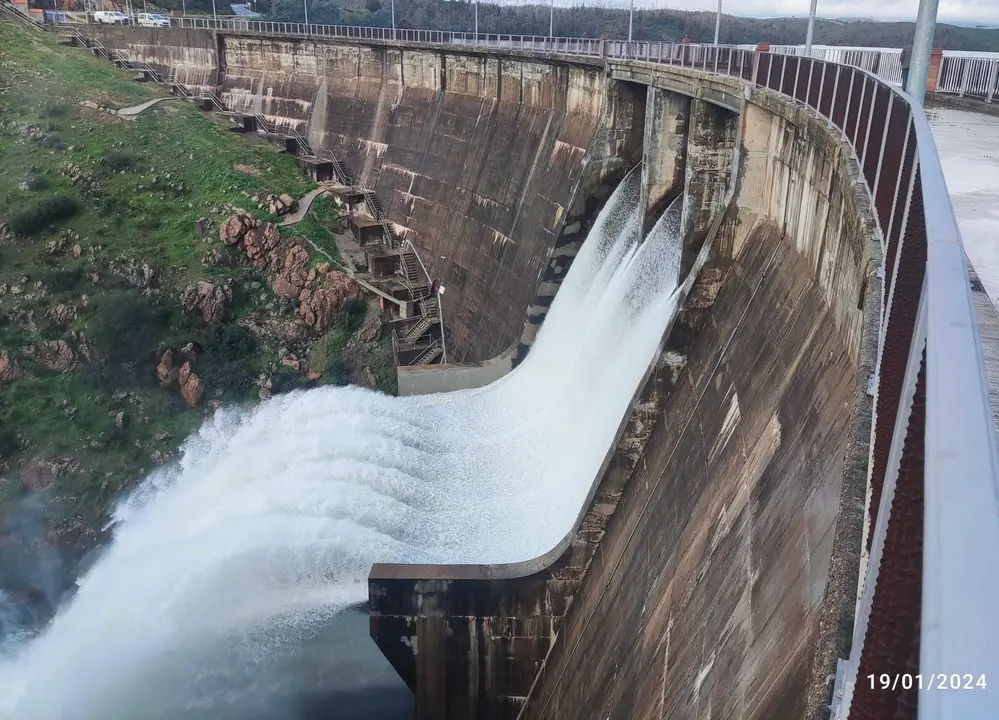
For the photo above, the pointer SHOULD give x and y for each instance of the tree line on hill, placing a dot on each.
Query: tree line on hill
(583, 21)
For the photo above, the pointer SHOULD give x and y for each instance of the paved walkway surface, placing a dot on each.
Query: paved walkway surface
(136, 110)
(968, 144)
(304, 205)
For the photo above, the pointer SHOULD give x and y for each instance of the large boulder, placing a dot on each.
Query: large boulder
(191, 387)
(212, 302)
(9, 369)
(235, 227)
(166, 373)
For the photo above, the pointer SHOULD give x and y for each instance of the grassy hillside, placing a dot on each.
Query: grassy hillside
(99, 247)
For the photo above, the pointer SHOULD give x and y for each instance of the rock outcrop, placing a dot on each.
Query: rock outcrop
(212, 302)
(320, 306)
(274, 204)
(55, 355)
(134, 272)
(40, 473)
(191, 387)
(320, 291)
(9, 369)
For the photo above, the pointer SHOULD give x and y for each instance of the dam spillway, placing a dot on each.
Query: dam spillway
(738, 477)
(226, 565)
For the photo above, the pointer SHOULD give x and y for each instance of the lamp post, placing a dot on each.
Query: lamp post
(215, 15)
(922, 47)
(476, 22)
(393, 19)
(551, 19)
(631, 18)
(718, 23)
(811, 29)
(305, 4)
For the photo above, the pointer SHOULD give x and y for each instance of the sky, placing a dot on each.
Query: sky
(965, 11)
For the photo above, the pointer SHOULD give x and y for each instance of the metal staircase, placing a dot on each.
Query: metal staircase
(21, 16)
(427, 320)
(430, 354)
(408, 266)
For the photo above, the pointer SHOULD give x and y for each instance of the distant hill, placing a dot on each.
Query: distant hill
(671, 25)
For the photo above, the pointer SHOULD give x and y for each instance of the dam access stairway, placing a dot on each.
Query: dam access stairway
(388, 263)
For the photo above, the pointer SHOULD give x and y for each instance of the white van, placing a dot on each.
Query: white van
(111, 17)
(152, 20)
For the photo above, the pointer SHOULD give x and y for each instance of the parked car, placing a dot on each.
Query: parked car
(153, 20)
(111, 17)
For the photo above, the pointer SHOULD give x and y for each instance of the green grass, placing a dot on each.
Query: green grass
(154, 178)
(138, 213)
(318, 227)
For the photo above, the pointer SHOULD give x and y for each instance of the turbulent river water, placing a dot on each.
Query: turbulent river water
(229, 569)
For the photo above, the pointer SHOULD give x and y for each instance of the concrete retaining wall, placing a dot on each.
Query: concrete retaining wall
(449, 377)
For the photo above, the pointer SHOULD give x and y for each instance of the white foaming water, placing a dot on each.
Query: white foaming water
(226, 564)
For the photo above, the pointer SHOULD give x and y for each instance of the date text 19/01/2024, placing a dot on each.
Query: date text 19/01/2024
(934, 681)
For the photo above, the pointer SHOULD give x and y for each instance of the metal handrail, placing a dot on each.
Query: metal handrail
(20, 15)
(429, 352)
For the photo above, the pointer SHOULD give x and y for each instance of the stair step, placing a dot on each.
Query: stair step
(429, 355)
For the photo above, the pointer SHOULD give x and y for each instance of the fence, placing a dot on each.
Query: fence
(961, 73)
(933, 441)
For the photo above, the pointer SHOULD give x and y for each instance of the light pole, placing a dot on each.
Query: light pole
(631, 18)
(922, 47)
(215, 15)
(551, 19)
(305, 4)
(476, 22)
(393, 19)
(811, 29)
(183, 8)
(718, 23)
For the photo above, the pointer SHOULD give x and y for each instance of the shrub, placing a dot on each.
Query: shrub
(51, 110)
(36, 181)
(39, 214)
(352, 313)
(118, 159)
(63, 280)
(127, 326)
(9, 443)
(286, 380)
(337, 372)
(229, 354)
(51, 141)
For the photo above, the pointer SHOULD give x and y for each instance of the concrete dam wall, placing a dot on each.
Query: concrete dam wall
(713, 570)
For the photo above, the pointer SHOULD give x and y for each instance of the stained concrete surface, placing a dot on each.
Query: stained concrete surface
(968, 144)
